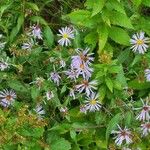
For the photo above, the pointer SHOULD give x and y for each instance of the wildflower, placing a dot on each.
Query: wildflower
(139, 43)
(4, 64)
(82, 57)
(39, 110)
(83, 109)
(7, 97)
(64, 110)
(38, 81)
(36, 32)
(122, 135)
(84, 70)
(87, 86)
(145, 128)
(66, 34)
(71, 94)
(49, 95)
(144, 114)
(62, 63)
(55, 77)
(147, 74)
(72, 74)
(28, 45)
(92, 103)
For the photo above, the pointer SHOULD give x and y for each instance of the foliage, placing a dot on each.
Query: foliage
(104, 26)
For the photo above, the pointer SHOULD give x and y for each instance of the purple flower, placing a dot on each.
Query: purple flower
(55, 77)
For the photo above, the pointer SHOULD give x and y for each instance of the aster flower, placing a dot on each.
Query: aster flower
(92, 103)
(83, 109)
(4, 64)
(144, 114)
(84, 70)
(82, 57)
(28, 45)
(49, 95)
(39, 110)
(36, 32)
(139, 43)
(54, 76)
(122, 135)
(66, 34)
(147, 74)
(87, 86)
(38, 81)
(72, 94)
(62, 63)
(145, 129)
(64, 110)
(72, 74)
(7, 97)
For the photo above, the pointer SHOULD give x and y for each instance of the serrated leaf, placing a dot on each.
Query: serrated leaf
(103, 35)
(109, 84)
(119, 35)
(120, 19)
(112, 124)
(60, 144)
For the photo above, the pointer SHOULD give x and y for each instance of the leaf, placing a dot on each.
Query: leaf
(119, 35)
(124, 55)
(97, 6)
(103, 35)
(33, 6)
(60, 144)
(128, 118)
(38, 19)
(137, 2)
(146, 3)
(120, 19)
(109, 84)
(102, 93)
(112, 124)
(48, 36)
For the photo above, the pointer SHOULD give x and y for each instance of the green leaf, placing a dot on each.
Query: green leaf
(38, 19)
(97, 6)
(102, 93)
(128, 118)
(124, 55)
(146, 2)
(119, 35)
(103, 35)
(137, 2)
(112, 124)
(120, 19)
(60, 144)
(48, 36)
(33, 6)
(109, 84)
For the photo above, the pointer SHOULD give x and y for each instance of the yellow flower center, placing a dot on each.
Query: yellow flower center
(140, 42)
(93, 102)
(65, 36)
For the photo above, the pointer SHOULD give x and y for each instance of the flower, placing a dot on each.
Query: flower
(28, 45)
(147, 74)
(39, 110)
(122, 135)
(145, 128)
(72, 74)
(92, 104)
(49, 95)
(83, 109)
(139, 43)
(71, 93)
(84, 70)
(144, 114)
(7, 97)
(55, 77)
(36, 32)
(38, 81)
(87, 86)
(82, 57)
(64, 110)
(4, 64)
(62, 63)
(66, 34)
